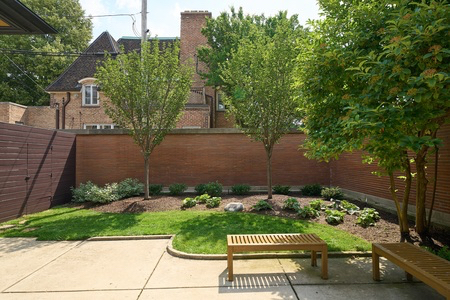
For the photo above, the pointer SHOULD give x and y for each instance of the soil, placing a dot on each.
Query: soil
(386, 229)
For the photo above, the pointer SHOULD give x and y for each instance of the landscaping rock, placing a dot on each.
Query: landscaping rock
(5, 227)
(234, 206)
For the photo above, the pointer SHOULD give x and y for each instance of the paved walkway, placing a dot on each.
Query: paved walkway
(142, 269)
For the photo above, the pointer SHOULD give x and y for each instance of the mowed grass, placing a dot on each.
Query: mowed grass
(196, 231)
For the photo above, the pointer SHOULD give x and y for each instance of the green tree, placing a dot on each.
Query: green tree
(23, 77)
(225, 33)
(376, 81)
(147, 93)
(259, 77)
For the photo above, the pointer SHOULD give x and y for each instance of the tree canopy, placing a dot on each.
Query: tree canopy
(259, 82)
(147, 93)
(23, 77)
(375, 77)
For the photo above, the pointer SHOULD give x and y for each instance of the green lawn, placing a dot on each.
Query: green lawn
(196, 231)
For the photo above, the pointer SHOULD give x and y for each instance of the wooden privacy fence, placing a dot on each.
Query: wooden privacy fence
(37, 169)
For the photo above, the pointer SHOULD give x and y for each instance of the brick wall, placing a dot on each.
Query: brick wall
(349, 173)
(78, 115)
(222, 121)
(198, 157)
(40, 117)
(191, 38)
(194, 117)
(11, 112)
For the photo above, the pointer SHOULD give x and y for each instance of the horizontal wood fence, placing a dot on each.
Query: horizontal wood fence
(37, 169)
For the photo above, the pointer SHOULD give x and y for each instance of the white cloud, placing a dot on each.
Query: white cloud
(176, 10)
(133, 6)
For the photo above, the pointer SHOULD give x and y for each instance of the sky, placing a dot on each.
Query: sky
(163, 18)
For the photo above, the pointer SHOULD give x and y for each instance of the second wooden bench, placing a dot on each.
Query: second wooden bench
(277, 242)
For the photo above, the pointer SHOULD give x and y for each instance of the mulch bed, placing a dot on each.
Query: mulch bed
(386, 229)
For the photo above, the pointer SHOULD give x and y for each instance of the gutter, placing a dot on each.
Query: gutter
(64, 104)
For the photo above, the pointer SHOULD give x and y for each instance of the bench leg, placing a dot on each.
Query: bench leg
(325, 263)
(230, 264)
(375, 265)
(313, 258)
(409, 277)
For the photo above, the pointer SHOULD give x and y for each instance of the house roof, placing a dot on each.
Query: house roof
(16, 18)
(86, 64)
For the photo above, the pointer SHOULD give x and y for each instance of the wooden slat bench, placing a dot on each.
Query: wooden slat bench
(278, 242)
(417, 262)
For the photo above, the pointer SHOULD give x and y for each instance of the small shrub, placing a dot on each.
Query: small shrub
(311, 190)
(93, 193)
(291, 204)
(240, 189)
(188, 202)
(213, 189)
(203, 198)
(368, 217)
(334, 217)
(213, 202)
(200, 188)
(262, 205)
(281, 189)
(444, 252)
(316, 204)
(333, 192)
(307, 212)
(177, 189)
(155, 189)
(83, 192)
(348, 207)
(129, 187)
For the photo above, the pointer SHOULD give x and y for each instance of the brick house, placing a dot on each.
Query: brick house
(76, 103)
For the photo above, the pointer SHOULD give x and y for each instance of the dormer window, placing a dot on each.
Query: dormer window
(90, 95)
(89, 92)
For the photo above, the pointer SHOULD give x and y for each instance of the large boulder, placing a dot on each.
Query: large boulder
(234, 206)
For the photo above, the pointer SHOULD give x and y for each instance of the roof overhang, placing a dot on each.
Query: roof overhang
(16, 18)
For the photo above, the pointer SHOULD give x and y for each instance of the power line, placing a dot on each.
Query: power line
(43, 53)
(23, 72)
(112, 15)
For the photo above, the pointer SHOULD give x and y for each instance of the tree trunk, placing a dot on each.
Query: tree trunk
(433, 198)
(147, 166)
(269, 173)
(408, 182)
(402, 219)
(421, 190)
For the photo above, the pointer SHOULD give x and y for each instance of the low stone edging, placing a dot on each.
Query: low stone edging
(185, 255)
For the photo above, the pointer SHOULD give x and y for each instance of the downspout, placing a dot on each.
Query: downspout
(64, 104)
(57, 115)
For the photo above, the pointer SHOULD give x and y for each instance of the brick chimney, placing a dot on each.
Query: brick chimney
(191, 38)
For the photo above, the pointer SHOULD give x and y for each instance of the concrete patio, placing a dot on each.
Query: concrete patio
(142, 269)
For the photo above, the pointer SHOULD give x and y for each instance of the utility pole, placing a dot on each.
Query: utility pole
(144, 21)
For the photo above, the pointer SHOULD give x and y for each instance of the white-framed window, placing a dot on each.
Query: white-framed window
(220, 105)
(99, 126)
(90, 95)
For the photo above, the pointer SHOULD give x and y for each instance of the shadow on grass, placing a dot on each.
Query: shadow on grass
(74, 226)
(209, 232)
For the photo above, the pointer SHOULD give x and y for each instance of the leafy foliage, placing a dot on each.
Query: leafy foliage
(211, 188)
(240, 189)
(260, 92)
(147, 92)
(334, 217)
(307, 212)
(176, 189)
(311, 190)
(332, 193)
(368, 217)
(213, 202)
(281, 189)
(317, 204)
(348, 207)
(188, 203)
(374, 77)
(74, 34)
(155, 189)
(291, 204)
(202, 198)
(90, 192)
(262, 205)
(129, 187)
